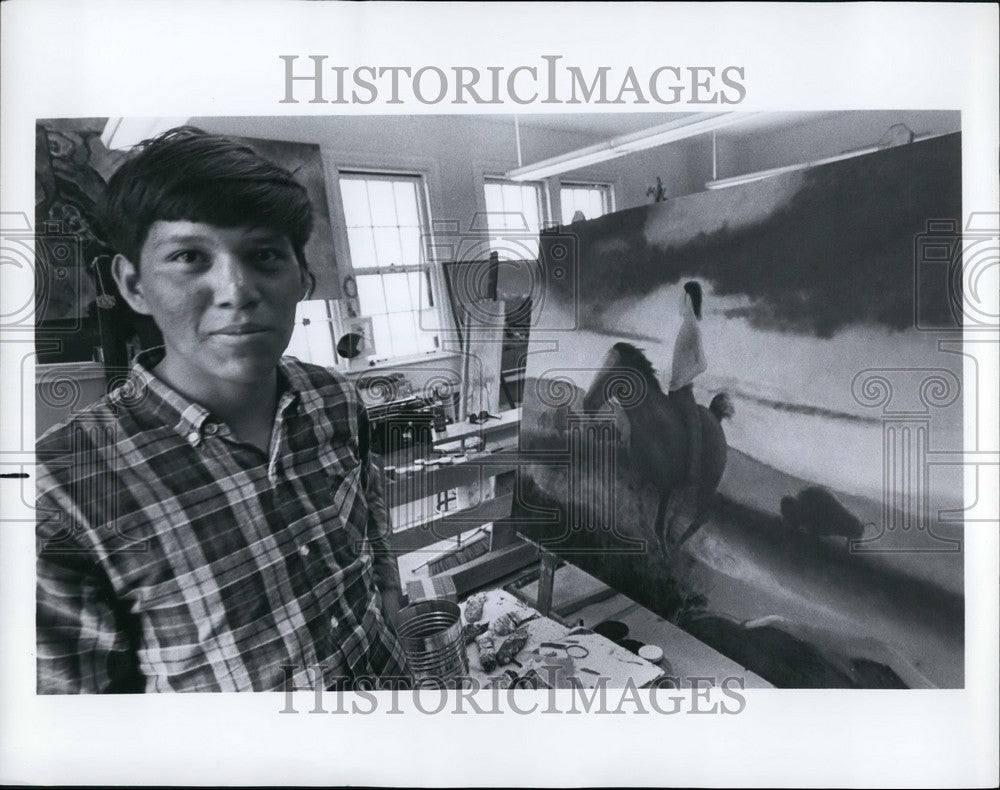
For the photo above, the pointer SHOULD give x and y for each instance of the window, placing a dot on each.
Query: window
(592, 200)
(312, 338)
(387, 221)
(514, 215)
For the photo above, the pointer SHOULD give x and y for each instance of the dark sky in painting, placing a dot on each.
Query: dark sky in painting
(838, 251)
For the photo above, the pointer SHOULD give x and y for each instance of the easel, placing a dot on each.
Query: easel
(475, 280)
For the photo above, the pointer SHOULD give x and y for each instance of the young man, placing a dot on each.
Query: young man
(688, 363)
(213, 524)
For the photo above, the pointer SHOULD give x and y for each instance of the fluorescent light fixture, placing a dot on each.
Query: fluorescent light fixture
(565, 162)
(760, 175)
(123, 133)
(681, 129)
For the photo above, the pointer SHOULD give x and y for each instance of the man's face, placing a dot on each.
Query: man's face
(224, 298)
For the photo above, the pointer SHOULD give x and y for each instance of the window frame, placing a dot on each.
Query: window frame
(425, 173)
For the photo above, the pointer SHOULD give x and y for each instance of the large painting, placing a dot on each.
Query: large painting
(823, 546)
(71, 171)
(305, 162)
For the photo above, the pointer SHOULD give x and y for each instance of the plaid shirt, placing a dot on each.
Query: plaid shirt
(173, 557)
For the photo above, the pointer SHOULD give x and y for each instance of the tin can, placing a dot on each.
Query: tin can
(431, 635)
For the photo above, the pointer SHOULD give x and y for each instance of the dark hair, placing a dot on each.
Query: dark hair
(188, 174)
(693, 289)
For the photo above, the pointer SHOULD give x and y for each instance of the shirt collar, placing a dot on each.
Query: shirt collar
(297, 385)
(144, 389)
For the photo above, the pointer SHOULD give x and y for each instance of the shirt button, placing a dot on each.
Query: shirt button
(334, 622)
(211, 429)
(193, 437)
(304, 551)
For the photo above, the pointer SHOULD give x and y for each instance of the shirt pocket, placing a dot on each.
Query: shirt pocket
(344, 515)
(344, 487)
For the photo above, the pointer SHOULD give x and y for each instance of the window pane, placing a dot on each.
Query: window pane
(511, 196)
(406, 203)
(494, 197)
(320, 340)
(383, 340)
(370, 294)
(298, 347)
(354, 195)
(382, 203)
(387, 249)
(417, 295)
(312, 342)
(565, 198)
(593, 201)
(494, 205)
(596, 203)
(397, 293)
(410, 239)
(529, 207)
(513, 201)
(403, 330)
(362, 245)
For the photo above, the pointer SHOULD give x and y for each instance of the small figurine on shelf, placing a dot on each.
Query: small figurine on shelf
(658, 193)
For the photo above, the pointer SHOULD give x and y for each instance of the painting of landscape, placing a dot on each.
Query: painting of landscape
(824, 547)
